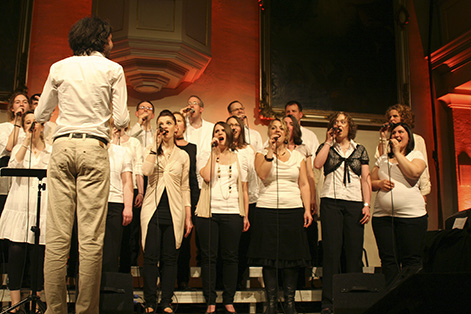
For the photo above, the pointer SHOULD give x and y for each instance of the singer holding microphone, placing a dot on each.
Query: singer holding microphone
(166, 212)
(19, 214)
(221, 216)
(400, 217)
(345, 200)
(278, 239)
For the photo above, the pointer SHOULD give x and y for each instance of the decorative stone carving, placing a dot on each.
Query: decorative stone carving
(160, 44)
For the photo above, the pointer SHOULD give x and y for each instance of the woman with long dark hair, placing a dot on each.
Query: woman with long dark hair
(246, 155)
(19, 214)
(279, 240)
(345, 200)
(166, 212)
(400, 217)
(221, 216)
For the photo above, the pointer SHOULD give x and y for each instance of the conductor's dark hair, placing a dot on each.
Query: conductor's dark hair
(88, 35)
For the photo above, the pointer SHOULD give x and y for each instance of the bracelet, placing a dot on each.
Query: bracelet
(330, 144)
(383, 140)
(269, 159)
(140, 193)
(23, 145)
(153, 153)
(18, 126)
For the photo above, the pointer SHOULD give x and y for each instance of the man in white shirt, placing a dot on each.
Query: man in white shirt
(142, 130)
(198, 132)
(252, 137)
(89, 89)
(295, 109)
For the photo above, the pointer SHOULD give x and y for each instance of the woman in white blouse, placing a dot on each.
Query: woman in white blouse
(166, 212)
(19, 214)
(400, 217)
(279, 240)
(221, 216)
(345, 200)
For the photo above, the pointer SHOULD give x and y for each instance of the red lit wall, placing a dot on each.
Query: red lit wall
(50, 26)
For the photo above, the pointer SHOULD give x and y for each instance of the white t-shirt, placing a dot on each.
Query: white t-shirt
(253, 138)
(135, 149)
(284, 192)
(406, 198)
(120, 162)
(224, 193)
(247, 163)
(201, 137)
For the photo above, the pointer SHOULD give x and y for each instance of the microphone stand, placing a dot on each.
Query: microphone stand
(33, 298)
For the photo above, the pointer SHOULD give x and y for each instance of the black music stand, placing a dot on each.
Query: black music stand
(40, 174)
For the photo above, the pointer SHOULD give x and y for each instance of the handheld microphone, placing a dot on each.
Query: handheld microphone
(186, 110)
(336, 129)
(33, 125)
(214, 144)
(276, 138)
(386, 126)
(19, 113)
(162, 130)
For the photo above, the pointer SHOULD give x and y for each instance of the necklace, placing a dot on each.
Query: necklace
(219, 177)
(278, 155)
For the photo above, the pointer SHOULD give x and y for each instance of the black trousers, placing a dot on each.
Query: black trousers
(341, 230)
(113, 236)
(220, 232)
(159, 249)
(399, 243)
(243, 272)
(17, 254)
(130, 246)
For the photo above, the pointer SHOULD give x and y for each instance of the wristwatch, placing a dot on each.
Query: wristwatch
(366, 204)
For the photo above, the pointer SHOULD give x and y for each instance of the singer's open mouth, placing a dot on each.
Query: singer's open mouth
(221, 138)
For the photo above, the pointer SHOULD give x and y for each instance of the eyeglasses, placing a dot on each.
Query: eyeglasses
(238, 109)
(146, 108)
(194, 103)
(234, 124)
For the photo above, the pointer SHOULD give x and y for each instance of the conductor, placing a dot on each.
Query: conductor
(89, 89)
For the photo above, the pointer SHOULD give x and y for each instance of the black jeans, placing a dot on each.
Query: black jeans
(223, 232)
(399, 243)
(113, 236)
(341, 230)
(160, 247)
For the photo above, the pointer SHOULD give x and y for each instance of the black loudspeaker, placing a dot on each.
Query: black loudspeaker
(427, 293)
(116, 294)
(356, 292)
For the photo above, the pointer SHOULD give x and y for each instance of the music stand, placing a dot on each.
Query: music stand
(40, 174)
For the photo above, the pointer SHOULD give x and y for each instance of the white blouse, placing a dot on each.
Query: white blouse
(19, 213)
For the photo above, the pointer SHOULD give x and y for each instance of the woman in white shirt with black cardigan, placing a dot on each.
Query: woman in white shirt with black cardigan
(345, 200)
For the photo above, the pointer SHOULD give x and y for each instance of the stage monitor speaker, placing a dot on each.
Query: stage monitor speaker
(116, 294)
(427, 293)
(450, 221)
(356, 292)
